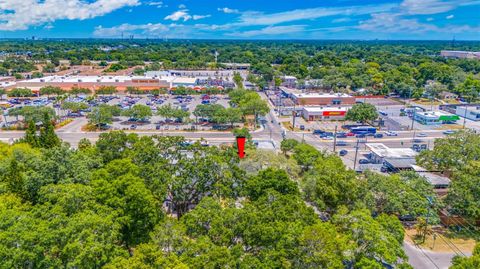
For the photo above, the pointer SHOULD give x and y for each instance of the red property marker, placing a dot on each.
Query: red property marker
(241, 146)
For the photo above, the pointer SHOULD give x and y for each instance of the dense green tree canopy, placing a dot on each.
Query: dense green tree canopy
(362, 113)
(139, 112)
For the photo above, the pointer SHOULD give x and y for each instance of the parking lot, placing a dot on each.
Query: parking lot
(156, 122)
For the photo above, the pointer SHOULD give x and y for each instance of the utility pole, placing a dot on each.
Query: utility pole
(356, 154)
(280, 106)
(335, 139)
(465, 117)
(413, 116)
(294, 114)
(430, 203)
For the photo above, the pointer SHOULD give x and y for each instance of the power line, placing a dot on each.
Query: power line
(464, 227)
(450, 243)
(423, 252)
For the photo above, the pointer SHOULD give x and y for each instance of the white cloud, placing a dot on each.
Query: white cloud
(395, 23)
(270, 30)
(129, 29)
(182, 6)
(427, 7)
(449, 17)
(158, 4)
(179, 15)
(157, 30)
(184, 15)
(199, 17)
(48, 26)
(430, 19)
(339, 20)
(387, 22)
(259, 18)
(228, 10)
(21, 14)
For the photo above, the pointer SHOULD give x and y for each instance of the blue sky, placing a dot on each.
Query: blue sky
(242, 19)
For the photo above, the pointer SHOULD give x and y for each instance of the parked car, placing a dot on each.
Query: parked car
(378, 135)
(302, 127)
(318, 132)
(341, 135)
(343, 152)
(327, 137)
(350, 134)
(326, 134)
(422, 135)
(363, 161)
(360, 136)
(382, 113)
(74, 114)
(133, 127)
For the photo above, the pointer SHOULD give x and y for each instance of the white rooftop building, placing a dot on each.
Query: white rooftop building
(380, 153)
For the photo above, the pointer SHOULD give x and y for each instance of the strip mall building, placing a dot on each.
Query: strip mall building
(120, 82)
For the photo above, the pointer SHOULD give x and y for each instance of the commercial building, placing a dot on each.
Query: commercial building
(289, 81)
(95, 82)
(448, 95)
(208, 78)
(323, 113)
(235, 66)
(182, 81)
(435, 117)
(460, 54)
(439, 182)
(394, 159)
(319, 99)
(469, 112)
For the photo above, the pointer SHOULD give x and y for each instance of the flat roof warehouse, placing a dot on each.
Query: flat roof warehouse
(95, 82)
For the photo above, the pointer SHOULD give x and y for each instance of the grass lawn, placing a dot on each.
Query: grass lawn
(449, 127)
(426, 102)
(441, 241)
(452, 101)
(289, 126)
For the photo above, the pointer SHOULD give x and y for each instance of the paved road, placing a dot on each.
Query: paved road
(425, 259)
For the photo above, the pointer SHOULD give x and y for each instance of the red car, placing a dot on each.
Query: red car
(350, 134)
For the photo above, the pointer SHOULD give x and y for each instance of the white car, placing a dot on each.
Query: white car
(422, 135)
(327, 138)
(390, 133)
(448, 132)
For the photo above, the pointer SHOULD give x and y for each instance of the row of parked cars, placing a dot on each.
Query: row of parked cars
(330, 135)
